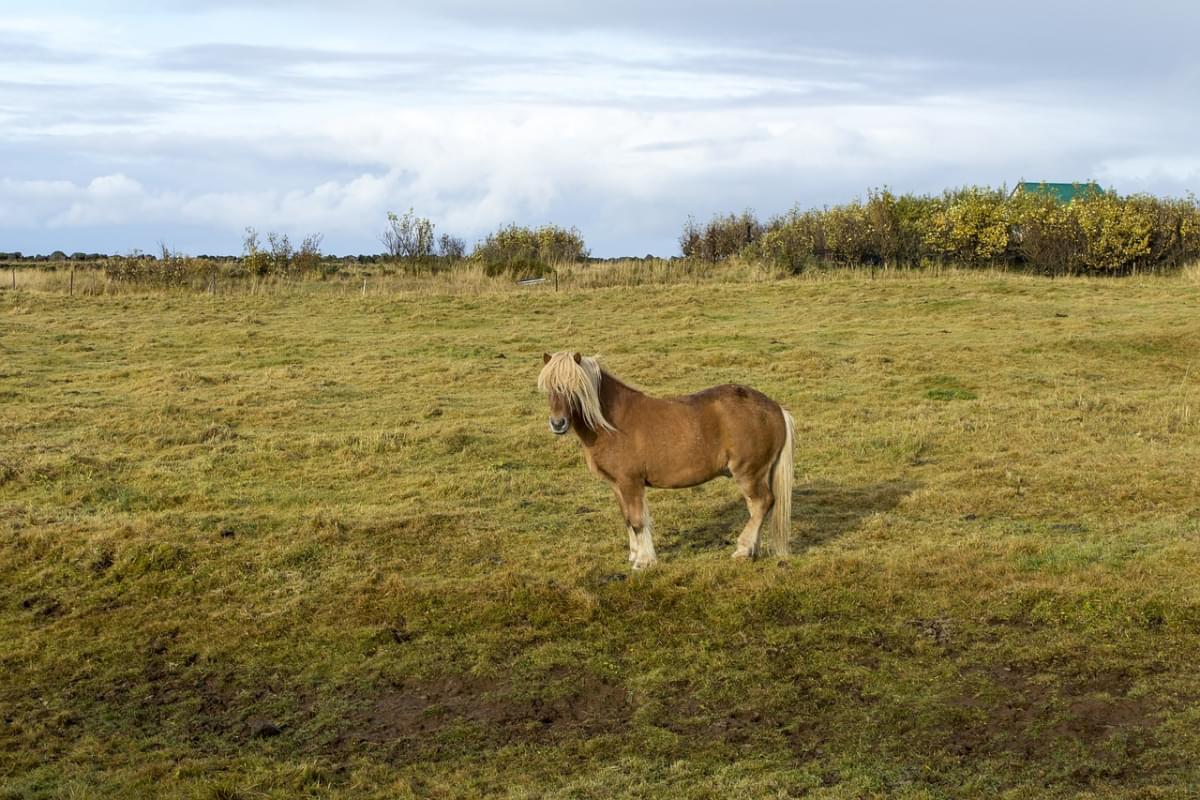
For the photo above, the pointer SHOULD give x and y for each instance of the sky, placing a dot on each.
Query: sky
(128, 124)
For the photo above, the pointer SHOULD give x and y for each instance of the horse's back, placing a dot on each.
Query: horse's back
(745, 421)
(730, 394)
(732, 401)
(736, 398)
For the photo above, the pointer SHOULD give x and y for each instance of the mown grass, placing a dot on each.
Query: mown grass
(319, 544)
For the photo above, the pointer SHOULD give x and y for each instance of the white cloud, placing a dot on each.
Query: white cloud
(1152, 168)
(472, 169)
(318, 122)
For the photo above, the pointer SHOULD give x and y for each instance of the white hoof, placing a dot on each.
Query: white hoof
(641, 565)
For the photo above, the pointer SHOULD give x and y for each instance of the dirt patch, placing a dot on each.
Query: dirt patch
(1025, 713)
(723, 727)
(42, 606)
(569, 705)
(936, 630)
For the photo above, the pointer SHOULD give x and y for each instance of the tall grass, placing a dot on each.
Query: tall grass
(1191, 273)
(474, 278)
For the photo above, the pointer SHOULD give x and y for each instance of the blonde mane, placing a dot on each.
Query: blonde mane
(578, 382)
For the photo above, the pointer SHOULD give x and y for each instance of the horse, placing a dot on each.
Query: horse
(632, 440)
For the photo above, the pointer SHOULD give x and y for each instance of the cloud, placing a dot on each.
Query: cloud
(107, 199)
(1170, 173)
(18, 50)
(622, 119)
(472, 169)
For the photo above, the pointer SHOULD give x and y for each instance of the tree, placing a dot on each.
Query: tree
(281, 252)
(257, 262)
(308, 257)
(451, 248)
(408, 236)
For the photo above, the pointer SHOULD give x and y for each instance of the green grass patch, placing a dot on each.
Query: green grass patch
(946, 387)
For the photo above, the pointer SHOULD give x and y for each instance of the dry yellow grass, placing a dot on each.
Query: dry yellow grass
(342, 515)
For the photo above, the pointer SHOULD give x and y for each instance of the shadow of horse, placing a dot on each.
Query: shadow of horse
(821, 511)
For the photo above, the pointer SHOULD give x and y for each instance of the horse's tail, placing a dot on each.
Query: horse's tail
(782, 477)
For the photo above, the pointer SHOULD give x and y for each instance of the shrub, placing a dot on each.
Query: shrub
(409, 241)
(793, 241)
(973, 226)
(1175, 231)
(1115, 233)
(969, 226)
(170, 269)
(721, 237)
(522, 251)
(1045, 234)
(281, 253)
(848, 235)
(280, 258)
(308, 257)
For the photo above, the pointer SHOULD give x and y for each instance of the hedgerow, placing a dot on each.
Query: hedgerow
(1099, 232)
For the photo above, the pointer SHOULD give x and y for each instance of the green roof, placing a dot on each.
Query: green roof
(1062, 192)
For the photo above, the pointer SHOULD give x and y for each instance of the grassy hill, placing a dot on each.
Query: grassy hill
(322, 545)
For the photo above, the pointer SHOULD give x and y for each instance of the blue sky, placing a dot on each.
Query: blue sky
(123, 124)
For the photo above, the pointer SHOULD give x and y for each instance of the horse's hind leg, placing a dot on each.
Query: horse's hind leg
(759, 500)
(637, 521)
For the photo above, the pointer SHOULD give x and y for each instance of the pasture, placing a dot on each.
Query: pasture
(323, 545)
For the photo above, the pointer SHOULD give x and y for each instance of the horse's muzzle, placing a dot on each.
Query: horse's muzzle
(559, 426)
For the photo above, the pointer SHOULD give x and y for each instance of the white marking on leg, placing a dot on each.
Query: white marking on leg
(645, 554)
(633, 543)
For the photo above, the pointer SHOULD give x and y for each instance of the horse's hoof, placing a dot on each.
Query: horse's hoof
(740, 554)
(643, 565)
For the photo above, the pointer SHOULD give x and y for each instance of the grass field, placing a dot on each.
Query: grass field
(322, 545)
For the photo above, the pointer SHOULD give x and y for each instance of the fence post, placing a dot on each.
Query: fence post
(14, 277)
(72, 289)
(556, 280)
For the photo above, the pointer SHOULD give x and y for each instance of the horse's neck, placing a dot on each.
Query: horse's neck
(615, 400)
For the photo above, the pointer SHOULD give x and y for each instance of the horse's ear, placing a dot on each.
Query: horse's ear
(545, 358)
(578, 357)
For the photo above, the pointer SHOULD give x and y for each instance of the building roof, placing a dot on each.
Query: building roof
(1062, 192)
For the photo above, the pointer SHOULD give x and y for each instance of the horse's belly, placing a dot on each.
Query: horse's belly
(684, 472)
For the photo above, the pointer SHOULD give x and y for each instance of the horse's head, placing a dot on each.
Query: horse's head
(572, 385)
(560, 396)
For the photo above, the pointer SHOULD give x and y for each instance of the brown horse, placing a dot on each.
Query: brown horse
(633, 440)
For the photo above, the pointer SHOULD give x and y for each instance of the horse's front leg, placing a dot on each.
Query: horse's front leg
(633, 539)
(632, 497)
